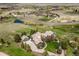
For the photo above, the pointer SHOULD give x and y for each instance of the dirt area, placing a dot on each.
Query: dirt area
(11, 27)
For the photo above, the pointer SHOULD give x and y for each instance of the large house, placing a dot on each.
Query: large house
(37, 39)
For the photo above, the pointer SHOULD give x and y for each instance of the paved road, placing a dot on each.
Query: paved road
(56, 23)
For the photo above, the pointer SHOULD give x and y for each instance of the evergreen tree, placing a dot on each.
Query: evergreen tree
(17, 38)
(33, 31)
(22, 45)
(24, 33)
(2, 41)
(64, 44)
(8, 43)
(27, 47)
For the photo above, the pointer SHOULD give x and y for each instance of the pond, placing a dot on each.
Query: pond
(18, 21)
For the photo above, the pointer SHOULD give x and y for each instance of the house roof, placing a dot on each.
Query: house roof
(48, 33)
(37, 37)
(24, 38)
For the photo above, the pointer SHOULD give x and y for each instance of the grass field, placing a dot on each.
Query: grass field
(15, 51)
(52, 46)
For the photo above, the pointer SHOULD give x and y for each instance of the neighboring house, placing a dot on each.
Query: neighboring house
(48, 35)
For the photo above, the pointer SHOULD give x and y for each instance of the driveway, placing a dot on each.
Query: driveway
(3, 54)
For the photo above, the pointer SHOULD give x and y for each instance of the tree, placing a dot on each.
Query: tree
(73, 44)
(2, 41)
(76, 39)
(17, 38)
(33, 31)
(8, 43)
(64, 44)
(22, 45)
(24, 33)
(59, 51)
(75, 10)
(27, 47)
(76, 51)
(48, 10)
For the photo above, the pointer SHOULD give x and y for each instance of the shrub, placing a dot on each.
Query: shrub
(17, 38)
(64, 44)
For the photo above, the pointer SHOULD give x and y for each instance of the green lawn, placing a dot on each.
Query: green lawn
(52, 46)
(15, 51)
(14, 48)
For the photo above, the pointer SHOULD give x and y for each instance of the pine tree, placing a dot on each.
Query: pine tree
(17, 38)
(2, 41)
(24, 33)
(64, 44)
(27, 47)
(8, 43)
(22, 45)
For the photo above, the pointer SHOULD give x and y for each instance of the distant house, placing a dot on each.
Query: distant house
(18, 21)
